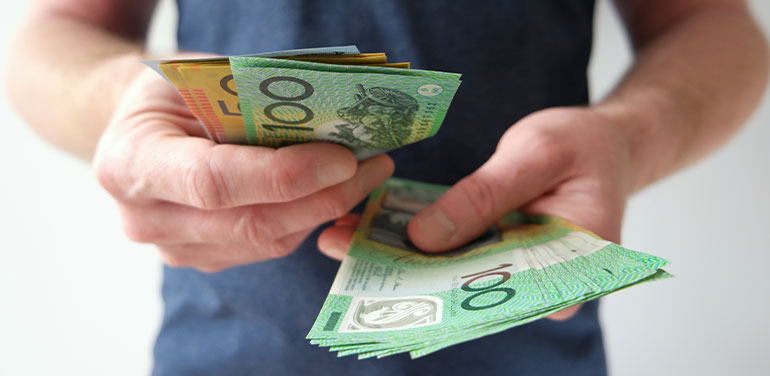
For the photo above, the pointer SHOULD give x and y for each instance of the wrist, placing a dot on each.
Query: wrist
(110, 78)
(637, 133)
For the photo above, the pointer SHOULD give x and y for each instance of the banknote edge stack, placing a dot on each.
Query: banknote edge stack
(641, 268)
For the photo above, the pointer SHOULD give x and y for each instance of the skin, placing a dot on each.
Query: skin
(700, 69)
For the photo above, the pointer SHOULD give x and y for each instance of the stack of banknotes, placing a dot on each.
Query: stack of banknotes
(389, 297)
(334, 94)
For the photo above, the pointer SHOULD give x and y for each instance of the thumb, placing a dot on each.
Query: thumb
(504, 183)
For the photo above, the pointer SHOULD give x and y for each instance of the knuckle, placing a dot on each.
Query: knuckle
(282, 181)
(205, 185)
(252, 228)
(107, 175)
(117, 170)
(284, 246)
(480, 196)
(548, 149)
(174, 259)
(277, 249)
(334, 205)
(138, 231)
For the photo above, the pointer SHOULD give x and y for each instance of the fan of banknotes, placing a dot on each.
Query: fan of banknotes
(334, 94)
(388, 296)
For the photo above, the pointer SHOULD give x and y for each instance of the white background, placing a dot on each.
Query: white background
(77, 298)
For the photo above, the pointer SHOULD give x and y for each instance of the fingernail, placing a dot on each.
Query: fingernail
(330, 173)
(437, 224)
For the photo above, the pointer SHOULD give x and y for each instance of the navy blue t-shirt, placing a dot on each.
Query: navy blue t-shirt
(516, 57)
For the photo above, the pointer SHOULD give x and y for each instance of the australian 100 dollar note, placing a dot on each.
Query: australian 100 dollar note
(370, 109)
(211, 96)
(334, 94)
(388, 297)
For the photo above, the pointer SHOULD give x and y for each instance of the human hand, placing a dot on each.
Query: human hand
(213, 206)
(570, 162)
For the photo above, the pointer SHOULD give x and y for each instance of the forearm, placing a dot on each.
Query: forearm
(65, 76)
(691, 87)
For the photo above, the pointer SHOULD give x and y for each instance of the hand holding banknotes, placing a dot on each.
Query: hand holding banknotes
(213, 206)
(571, 163)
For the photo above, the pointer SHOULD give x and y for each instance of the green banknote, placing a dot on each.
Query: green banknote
(370, 109)
(334, 94)
(388, 297)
